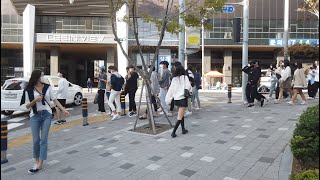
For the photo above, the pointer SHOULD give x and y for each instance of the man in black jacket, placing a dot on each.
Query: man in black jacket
(131, 88)
(254, 73)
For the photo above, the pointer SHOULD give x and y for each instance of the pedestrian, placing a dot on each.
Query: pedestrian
(62, 94)
(190, 75)
(164, 85)
(316, 80)
(311, 80)
(180, 85)
(177, 63)
(218, 85)
(254, 74)
(102, 81)
(89, 84)
(274, 81)
(285, 81)
(117, 82)
(131, 88)
(195, 90)
(155, 90)
(36, 97)
(299, 82)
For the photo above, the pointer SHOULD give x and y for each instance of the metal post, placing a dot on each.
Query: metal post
(123, 103)
(202, 59)
(245, 44)
(85, 112)
(229, 92)
(182, 33)
(4, 141)
(286, 28)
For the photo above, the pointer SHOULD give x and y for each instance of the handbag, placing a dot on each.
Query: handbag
(187, 93)
(95, 101)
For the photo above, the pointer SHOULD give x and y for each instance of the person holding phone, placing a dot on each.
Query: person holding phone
(36, 97)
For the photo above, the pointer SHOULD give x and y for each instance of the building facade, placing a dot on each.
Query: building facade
(73, 38)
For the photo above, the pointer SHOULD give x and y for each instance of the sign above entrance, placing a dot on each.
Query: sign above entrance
(75, 38)
(280, 42)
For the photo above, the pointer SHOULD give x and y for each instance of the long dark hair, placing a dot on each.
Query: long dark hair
(35, 77)
(179, 71)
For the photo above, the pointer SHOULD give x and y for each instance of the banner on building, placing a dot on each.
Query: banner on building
(280, 42)
(192, 38)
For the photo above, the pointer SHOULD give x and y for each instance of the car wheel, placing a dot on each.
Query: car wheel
(263, 89)
(78, 99)
(7, 113)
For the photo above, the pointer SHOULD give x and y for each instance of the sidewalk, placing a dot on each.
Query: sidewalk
(225, 142)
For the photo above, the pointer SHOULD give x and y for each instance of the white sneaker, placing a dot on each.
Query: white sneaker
(290, 102)
(161, 113)
(310, 98)
(109, 114)
(115, 117)
(304, 103)
(169, 114)
(188, 113)
(277, 101)
(197, 108)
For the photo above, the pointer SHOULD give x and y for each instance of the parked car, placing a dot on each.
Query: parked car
(12, 90)
(265, 83)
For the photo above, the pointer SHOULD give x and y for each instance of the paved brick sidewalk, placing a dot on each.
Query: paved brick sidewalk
(225, 142)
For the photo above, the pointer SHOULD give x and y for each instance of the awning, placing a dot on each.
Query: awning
(214, 74)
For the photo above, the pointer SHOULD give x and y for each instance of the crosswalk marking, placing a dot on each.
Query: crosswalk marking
(14, 125)
(17, 119)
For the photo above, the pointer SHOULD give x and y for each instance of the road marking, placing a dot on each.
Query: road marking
(17, 119)
(69, 109)
(14, 125)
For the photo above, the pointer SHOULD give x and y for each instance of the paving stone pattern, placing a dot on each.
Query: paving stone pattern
(235, 143)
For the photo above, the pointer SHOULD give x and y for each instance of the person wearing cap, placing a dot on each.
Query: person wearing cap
(102, 81)
(164, 85)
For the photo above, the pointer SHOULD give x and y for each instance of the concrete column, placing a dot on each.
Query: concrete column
(110, 57)
(54, 61)
(207, 62)
(227, 67)
(28, 39)
(122, 33)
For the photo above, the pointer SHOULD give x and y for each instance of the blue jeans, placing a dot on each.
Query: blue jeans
(195, 95)
(273, 87)
(40, 123)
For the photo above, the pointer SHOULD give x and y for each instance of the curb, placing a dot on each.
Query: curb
(285, 168)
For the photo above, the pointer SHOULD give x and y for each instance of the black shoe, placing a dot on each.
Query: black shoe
(34, 170)
(58, 122)
(262, 102)
(184, 131)
(63, 121)
(250, 105)
(173, 135)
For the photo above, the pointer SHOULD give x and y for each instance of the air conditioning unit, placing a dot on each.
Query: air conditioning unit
(227, 35)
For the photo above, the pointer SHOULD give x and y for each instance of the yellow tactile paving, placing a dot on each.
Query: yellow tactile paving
(14, 143)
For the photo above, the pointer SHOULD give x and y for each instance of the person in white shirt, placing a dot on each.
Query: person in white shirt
(176, 91)
(62, 94)
(285, 81)
(316, 79)
(36, 97)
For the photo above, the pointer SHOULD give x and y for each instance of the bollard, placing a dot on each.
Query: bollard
(229, 92)
(4, 141)
(123, 103)
(85, 112)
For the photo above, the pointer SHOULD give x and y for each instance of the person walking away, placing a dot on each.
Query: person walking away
(102, 81)
(254, 75)
(195, 90)
(316, 80)
(180, 83)
(117, 82)
(164, 85)
(274, 81)
(36, 97)
(89, 84)
(155, 89)
(218, 85)
(131, 88)
(285, 81)
(62, 95)
(299, 82)
(190, 76)
(311, 80)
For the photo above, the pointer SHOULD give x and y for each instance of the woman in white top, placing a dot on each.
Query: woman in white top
(285, 81)
(299, 82)
(37, 97)
(176, 91)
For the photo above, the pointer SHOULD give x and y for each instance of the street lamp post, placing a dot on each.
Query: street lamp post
(286, 28)
(202, 47)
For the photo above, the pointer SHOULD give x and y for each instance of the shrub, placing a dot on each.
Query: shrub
(305, 141)
(307, 175)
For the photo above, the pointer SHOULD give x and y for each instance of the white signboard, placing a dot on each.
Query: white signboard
(75, 38)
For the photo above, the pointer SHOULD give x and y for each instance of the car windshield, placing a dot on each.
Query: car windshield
(15, 85)
(55, 81)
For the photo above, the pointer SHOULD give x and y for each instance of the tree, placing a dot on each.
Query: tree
(311, 6)
(300, 51)
(193, 13)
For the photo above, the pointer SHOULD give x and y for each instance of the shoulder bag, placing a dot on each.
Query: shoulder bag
(187, 93)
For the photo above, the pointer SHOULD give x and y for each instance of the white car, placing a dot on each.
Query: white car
(265, 83)
(12, 90)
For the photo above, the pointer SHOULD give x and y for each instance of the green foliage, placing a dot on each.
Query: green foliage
(304, 51)
(306, 175)
(305, 141)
